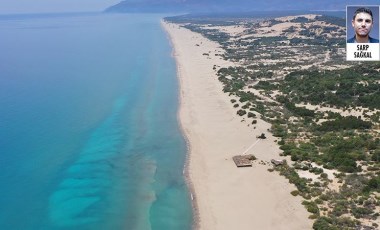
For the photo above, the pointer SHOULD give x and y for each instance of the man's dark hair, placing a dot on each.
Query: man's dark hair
(363, 10)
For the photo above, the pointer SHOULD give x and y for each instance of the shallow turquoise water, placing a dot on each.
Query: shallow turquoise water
(89, 137)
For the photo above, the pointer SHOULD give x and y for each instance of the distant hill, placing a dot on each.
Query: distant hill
(173, 6)
(196, 6)
(148, 6)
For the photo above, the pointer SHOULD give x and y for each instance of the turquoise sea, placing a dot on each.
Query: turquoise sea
(89, 136)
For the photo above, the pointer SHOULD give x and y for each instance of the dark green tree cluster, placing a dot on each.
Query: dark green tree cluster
(234, 78)
(334, 223)
(344, 123)
(373, 185)
(298, 111)
(333, 20)
(213, 34)
(300, 20)
(341, 88)
(302, 152)
(265, 85)
(341, 152)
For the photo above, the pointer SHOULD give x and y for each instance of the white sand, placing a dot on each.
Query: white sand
(227, 197)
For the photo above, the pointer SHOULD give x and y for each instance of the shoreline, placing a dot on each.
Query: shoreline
(225, 197)
(190, 186)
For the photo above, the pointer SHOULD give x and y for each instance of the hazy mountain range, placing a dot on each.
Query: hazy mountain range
(191, 6)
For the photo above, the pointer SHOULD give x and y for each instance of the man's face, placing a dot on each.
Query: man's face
(362, 24)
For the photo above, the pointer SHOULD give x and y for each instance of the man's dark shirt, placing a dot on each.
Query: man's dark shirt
(370, 40)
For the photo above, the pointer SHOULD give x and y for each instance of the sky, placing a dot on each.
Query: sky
(52, 6)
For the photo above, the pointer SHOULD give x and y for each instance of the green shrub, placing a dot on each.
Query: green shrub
(313, 216)
(295, 192)
(318, 201)
(324, 175)
(294, 157)
(360, 212)
(324, 223)
(250, 114)
(372, 185)
(324, 197)
(311, 206)
(241, 112)
(316, 170)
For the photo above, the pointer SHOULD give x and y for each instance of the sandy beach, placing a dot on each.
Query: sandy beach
(227, 197)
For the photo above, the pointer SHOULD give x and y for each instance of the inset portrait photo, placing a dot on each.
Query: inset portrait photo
(362, 24)
(362, 41)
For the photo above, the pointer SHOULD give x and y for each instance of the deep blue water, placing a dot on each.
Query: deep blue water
(89, 137)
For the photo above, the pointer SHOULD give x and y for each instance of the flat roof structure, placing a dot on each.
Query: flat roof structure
(243, 160)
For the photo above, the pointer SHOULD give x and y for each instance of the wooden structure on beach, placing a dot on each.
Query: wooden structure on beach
(243, 160)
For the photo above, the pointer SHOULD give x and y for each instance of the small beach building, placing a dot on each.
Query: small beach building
(243, 160)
